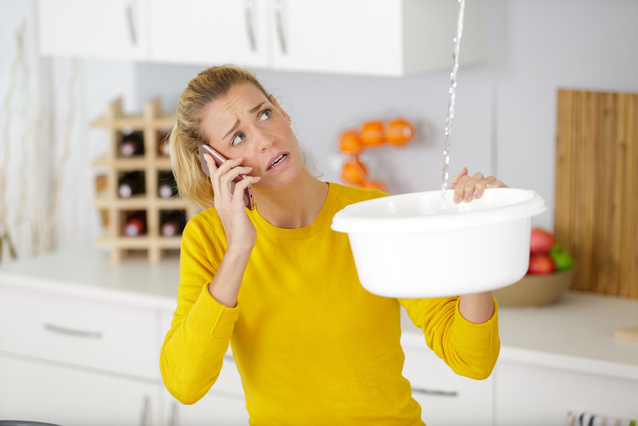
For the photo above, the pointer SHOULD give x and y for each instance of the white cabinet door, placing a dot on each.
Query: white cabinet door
(209, 32)
(529, 395)
(379, 37)
(51, 393)
(216, 408)
(346, 36)
(445, 397)
(94, 28)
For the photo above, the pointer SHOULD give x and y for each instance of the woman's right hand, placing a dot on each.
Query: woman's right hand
(229, 203)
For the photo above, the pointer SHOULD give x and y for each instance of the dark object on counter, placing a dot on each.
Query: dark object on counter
(166, 186)
(132, 144)
(135, 224)
(172, 223)
(131, 183)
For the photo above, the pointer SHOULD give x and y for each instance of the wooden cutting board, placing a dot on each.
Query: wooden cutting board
(596, 208)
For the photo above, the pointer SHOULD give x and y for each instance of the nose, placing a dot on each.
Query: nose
(264, 139)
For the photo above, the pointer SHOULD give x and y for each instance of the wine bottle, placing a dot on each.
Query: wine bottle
(132, 144)
(135, 224)
(166, 185)
(131, 183)
(163, 147)
(172, 223)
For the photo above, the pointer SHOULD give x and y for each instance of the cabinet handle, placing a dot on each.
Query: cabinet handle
(229, 358)
(279, 7)
(73, 332)
(436, 392)
(145, 418)
(174, 420)
(131, 21)
(248, 9)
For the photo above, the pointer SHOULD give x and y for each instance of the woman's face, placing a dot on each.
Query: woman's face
(247, 124)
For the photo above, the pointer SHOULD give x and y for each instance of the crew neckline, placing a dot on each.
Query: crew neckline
(325, 215)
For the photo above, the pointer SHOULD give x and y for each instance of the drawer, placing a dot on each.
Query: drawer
(445, 397)
(79, 332)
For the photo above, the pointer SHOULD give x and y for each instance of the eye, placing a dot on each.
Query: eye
(265, 114)
(237, 139)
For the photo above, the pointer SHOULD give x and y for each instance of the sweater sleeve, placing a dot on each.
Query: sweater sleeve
(470, 349)
(193, 350)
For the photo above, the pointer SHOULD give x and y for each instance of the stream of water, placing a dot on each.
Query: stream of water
(452, 99)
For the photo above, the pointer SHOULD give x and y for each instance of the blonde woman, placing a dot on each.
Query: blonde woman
(312, 346)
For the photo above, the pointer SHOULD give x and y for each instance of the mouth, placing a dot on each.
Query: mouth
(275, 161)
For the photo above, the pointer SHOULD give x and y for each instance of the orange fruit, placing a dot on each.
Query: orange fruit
(353, 172)
(399, 132)
(350, 142)
(372, 133)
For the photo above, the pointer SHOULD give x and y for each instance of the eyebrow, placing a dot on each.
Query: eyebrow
(252, 111)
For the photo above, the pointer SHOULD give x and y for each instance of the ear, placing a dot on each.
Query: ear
(276, 104)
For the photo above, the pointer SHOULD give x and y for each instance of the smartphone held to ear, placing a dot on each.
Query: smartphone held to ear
(219, 160)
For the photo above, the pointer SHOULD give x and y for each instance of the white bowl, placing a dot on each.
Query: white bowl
(423, 245)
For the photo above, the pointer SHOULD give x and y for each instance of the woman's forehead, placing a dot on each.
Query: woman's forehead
(225, 111)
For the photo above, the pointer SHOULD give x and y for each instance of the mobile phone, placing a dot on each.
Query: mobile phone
(219, 160)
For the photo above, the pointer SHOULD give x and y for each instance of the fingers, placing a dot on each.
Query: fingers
(225, 189)
(467, 188)
(457, 177)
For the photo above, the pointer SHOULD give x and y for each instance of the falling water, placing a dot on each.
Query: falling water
(452, 92)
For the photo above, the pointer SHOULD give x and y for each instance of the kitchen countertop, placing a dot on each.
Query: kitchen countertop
(575, 334)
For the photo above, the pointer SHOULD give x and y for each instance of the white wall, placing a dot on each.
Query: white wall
(504, 124)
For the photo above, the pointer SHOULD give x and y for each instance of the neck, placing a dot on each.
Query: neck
(294, 206)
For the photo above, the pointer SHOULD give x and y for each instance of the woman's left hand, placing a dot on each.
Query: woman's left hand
(467, 188)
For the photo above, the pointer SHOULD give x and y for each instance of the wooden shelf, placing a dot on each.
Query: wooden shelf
(114, 209)
(133, 163)
(142, 242)
(135, 122)
(140, 202)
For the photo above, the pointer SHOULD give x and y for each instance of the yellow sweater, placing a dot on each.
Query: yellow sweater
(312, 346)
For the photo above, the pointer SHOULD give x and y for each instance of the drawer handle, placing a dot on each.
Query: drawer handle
(229, 358)
(130, 18)
(279, 10)
(88, 334)
(248, 10)
(436, 392)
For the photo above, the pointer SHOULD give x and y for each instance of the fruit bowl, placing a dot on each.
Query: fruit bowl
(425, 245)
(535, 290)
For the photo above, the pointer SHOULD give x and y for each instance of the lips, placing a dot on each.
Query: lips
(277, 160)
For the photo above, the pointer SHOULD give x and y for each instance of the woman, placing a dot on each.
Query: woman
(311, 345)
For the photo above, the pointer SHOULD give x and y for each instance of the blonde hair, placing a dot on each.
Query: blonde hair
(186, 136)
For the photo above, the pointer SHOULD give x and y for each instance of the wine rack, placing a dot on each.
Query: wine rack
(146, 206)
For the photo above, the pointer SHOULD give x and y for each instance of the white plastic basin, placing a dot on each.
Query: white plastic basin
(423, 245)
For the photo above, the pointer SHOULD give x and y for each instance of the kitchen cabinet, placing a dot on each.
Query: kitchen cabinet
(209, 31)
(445, 397)
(377, 37)
(564, 357)
(373, 37)
(530, 395)
(216, 408)
(80, 340)
(35, 390)
(116, 29)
